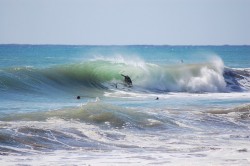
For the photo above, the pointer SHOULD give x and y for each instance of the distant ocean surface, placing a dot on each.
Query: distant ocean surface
(189, 105)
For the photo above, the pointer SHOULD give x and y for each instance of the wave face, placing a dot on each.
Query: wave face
(99, 75)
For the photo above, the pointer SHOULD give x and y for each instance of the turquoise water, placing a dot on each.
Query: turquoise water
(46, 55)
(201, 115)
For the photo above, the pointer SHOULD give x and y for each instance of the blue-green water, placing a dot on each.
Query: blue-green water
(46, 55)
(186, 102)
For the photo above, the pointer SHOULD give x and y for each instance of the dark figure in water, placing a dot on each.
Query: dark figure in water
(127, 80)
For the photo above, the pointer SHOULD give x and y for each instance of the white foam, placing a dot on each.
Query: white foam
(177, 95)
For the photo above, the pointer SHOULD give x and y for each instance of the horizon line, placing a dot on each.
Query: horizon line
(109, 45)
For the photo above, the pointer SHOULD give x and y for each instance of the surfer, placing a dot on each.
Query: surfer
(127, 80)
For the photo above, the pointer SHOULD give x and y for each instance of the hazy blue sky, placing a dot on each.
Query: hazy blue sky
(173, 22)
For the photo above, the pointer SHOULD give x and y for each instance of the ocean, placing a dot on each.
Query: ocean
(188, 105)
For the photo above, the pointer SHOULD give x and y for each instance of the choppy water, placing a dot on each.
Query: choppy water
(201, 117)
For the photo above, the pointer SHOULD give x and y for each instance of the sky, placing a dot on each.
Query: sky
(125, 22)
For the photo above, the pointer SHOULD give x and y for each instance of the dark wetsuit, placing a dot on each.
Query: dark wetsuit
(127, 80)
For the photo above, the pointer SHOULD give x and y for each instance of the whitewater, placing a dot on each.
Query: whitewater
(189, 105)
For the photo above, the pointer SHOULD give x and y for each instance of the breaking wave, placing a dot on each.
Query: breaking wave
(101, 75)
